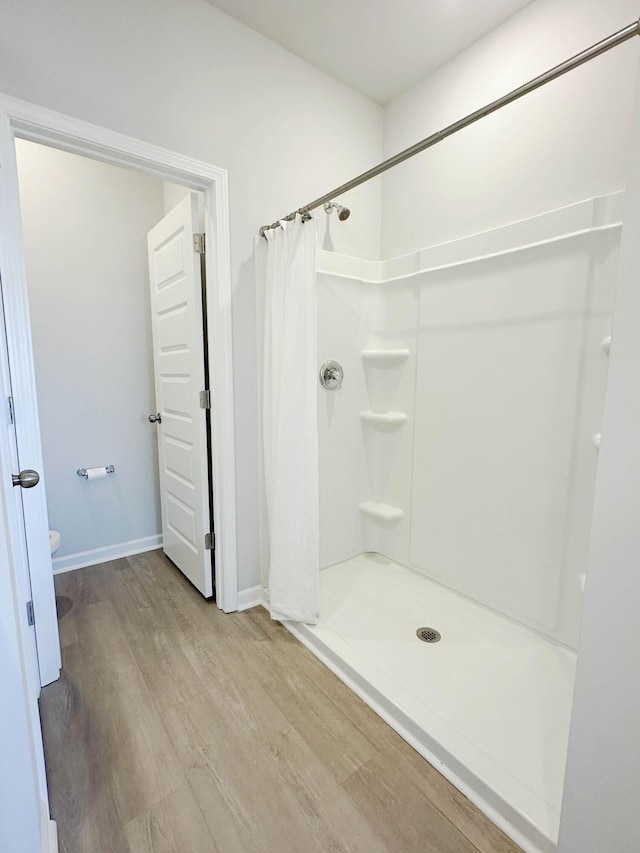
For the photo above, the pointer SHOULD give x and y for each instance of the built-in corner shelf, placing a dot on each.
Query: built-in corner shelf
(383, 512)
(385, 357)
(383, 418)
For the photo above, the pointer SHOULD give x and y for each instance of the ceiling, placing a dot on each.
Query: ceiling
(378, 47)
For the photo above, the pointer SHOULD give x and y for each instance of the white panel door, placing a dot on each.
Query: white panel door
(16, 512)
(179, 368)
(22, 768)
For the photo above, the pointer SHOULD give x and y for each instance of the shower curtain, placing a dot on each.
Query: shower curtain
(290, 427)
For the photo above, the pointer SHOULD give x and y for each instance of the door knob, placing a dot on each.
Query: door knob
(155, 419)
(26, 479)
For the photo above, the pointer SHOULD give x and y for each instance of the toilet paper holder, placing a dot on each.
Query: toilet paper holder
(83, 472)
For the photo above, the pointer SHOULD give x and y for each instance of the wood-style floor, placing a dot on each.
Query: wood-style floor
(178, 729)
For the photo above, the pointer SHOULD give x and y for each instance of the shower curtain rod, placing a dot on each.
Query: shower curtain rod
(557, 71)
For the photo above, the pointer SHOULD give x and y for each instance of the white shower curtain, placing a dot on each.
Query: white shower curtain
(290, 427)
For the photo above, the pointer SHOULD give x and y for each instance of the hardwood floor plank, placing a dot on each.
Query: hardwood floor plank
(471, 822)
(89, 585)
(401, 814)
(67, 630)
(222, 813)
(231, 781)
(176, 825)
(157, 590)
(358, 712)
(144, 769)
(166, 671)
(179, 604)
(259, 781)
(242, 702)
(314, 715)
(78, 757)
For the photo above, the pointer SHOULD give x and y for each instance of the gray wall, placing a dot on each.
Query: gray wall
(85, 225)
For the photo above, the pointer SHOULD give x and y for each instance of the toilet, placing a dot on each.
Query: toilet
(54, 541)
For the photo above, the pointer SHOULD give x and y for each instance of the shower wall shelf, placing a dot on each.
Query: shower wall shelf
(385, 357)
(383, 418)
(382, 512)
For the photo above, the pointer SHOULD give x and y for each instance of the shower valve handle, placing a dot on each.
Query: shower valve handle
(331, 375)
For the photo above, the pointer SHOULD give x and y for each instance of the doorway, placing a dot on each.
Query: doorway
(32, 123)
(102, 375)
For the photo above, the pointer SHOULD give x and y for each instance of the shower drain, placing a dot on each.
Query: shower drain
(428, 635)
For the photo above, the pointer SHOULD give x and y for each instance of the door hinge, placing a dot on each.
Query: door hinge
(210, 541)
(199, 244)
(205, 399)
(31, 618)
(10, 408)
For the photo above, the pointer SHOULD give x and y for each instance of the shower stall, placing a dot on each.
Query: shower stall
(457, 468)
(459, 406)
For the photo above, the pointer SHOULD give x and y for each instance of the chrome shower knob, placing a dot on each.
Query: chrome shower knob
(331, 375)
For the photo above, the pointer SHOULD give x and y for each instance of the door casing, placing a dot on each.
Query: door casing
(28, 121)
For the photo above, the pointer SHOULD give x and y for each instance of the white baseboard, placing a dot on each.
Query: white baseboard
(82, 559)
(48, 831)
(52, 838)
(252, 596)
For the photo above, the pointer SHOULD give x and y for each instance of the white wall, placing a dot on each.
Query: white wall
(189, 78)
(563, 143)
(600, 806)
(85, 225)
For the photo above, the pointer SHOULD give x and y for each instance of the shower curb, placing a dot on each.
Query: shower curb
(513, 823)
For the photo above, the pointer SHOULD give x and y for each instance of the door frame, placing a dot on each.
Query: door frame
(35, 123)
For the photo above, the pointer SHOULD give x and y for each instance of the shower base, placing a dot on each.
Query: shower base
(489, 704)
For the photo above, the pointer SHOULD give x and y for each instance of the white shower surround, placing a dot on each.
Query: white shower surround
(566, 259)
(498, 399)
